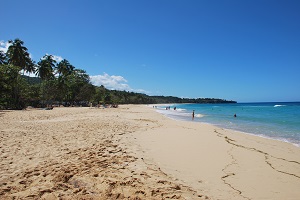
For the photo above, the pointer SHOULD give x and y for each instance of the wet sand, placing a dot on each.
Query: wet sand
(132, 152)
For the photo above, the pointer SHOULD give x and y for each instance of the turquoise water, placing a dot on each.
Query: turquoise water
(279, 121)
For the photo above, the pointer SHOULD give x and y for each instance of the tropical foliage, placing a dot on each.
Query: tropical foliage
(18, 55)
(61, 84)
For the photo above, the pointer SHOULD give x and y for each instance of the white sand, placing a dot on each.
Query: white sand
(224, 164)
(133, 152)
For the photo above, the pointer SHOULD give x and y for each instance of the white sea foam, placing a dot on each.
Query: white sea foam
(278, 106)
(178, 114)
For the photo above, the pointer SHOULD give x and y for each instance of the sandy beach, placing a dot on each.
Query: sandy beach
(133, 152)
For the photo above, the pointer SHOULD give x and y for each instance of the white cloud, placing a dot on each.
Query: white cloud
(113, 82)
(110, 82)
(56, 58)
(4, 46)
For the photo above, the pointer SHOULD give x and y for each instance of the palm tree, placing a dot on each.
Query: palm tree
(64, 68)
(18, 56)
(45, 67)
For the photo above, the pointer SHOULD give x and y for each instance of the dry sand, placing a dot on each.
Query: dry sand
(132, 152)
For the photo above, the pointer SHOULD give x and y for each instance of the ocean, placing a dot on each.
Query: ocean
(275, 120)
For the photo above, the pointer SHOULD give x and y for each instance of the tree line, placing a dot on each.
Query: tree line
(61, 83)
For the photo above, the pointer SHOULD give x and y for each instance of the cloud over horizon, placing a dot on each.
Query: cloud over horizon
(113, 82)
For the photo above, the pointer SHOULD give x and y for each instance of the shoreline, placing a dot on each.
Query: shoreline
(135, 152)
(241, 132)
(200, 115)
(247, 161)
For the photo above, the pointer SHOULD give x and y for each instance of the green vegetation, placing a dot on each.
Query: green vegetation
(62, 84)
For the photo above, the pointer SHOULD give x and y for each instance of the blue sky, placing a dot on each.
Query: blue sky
(237, 50)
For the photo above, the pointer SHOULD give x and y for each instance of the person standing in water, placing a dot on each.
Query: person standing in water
(193, 115)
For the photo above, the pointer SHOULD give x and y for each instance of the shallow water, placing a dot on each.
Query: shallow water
(276, 120)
